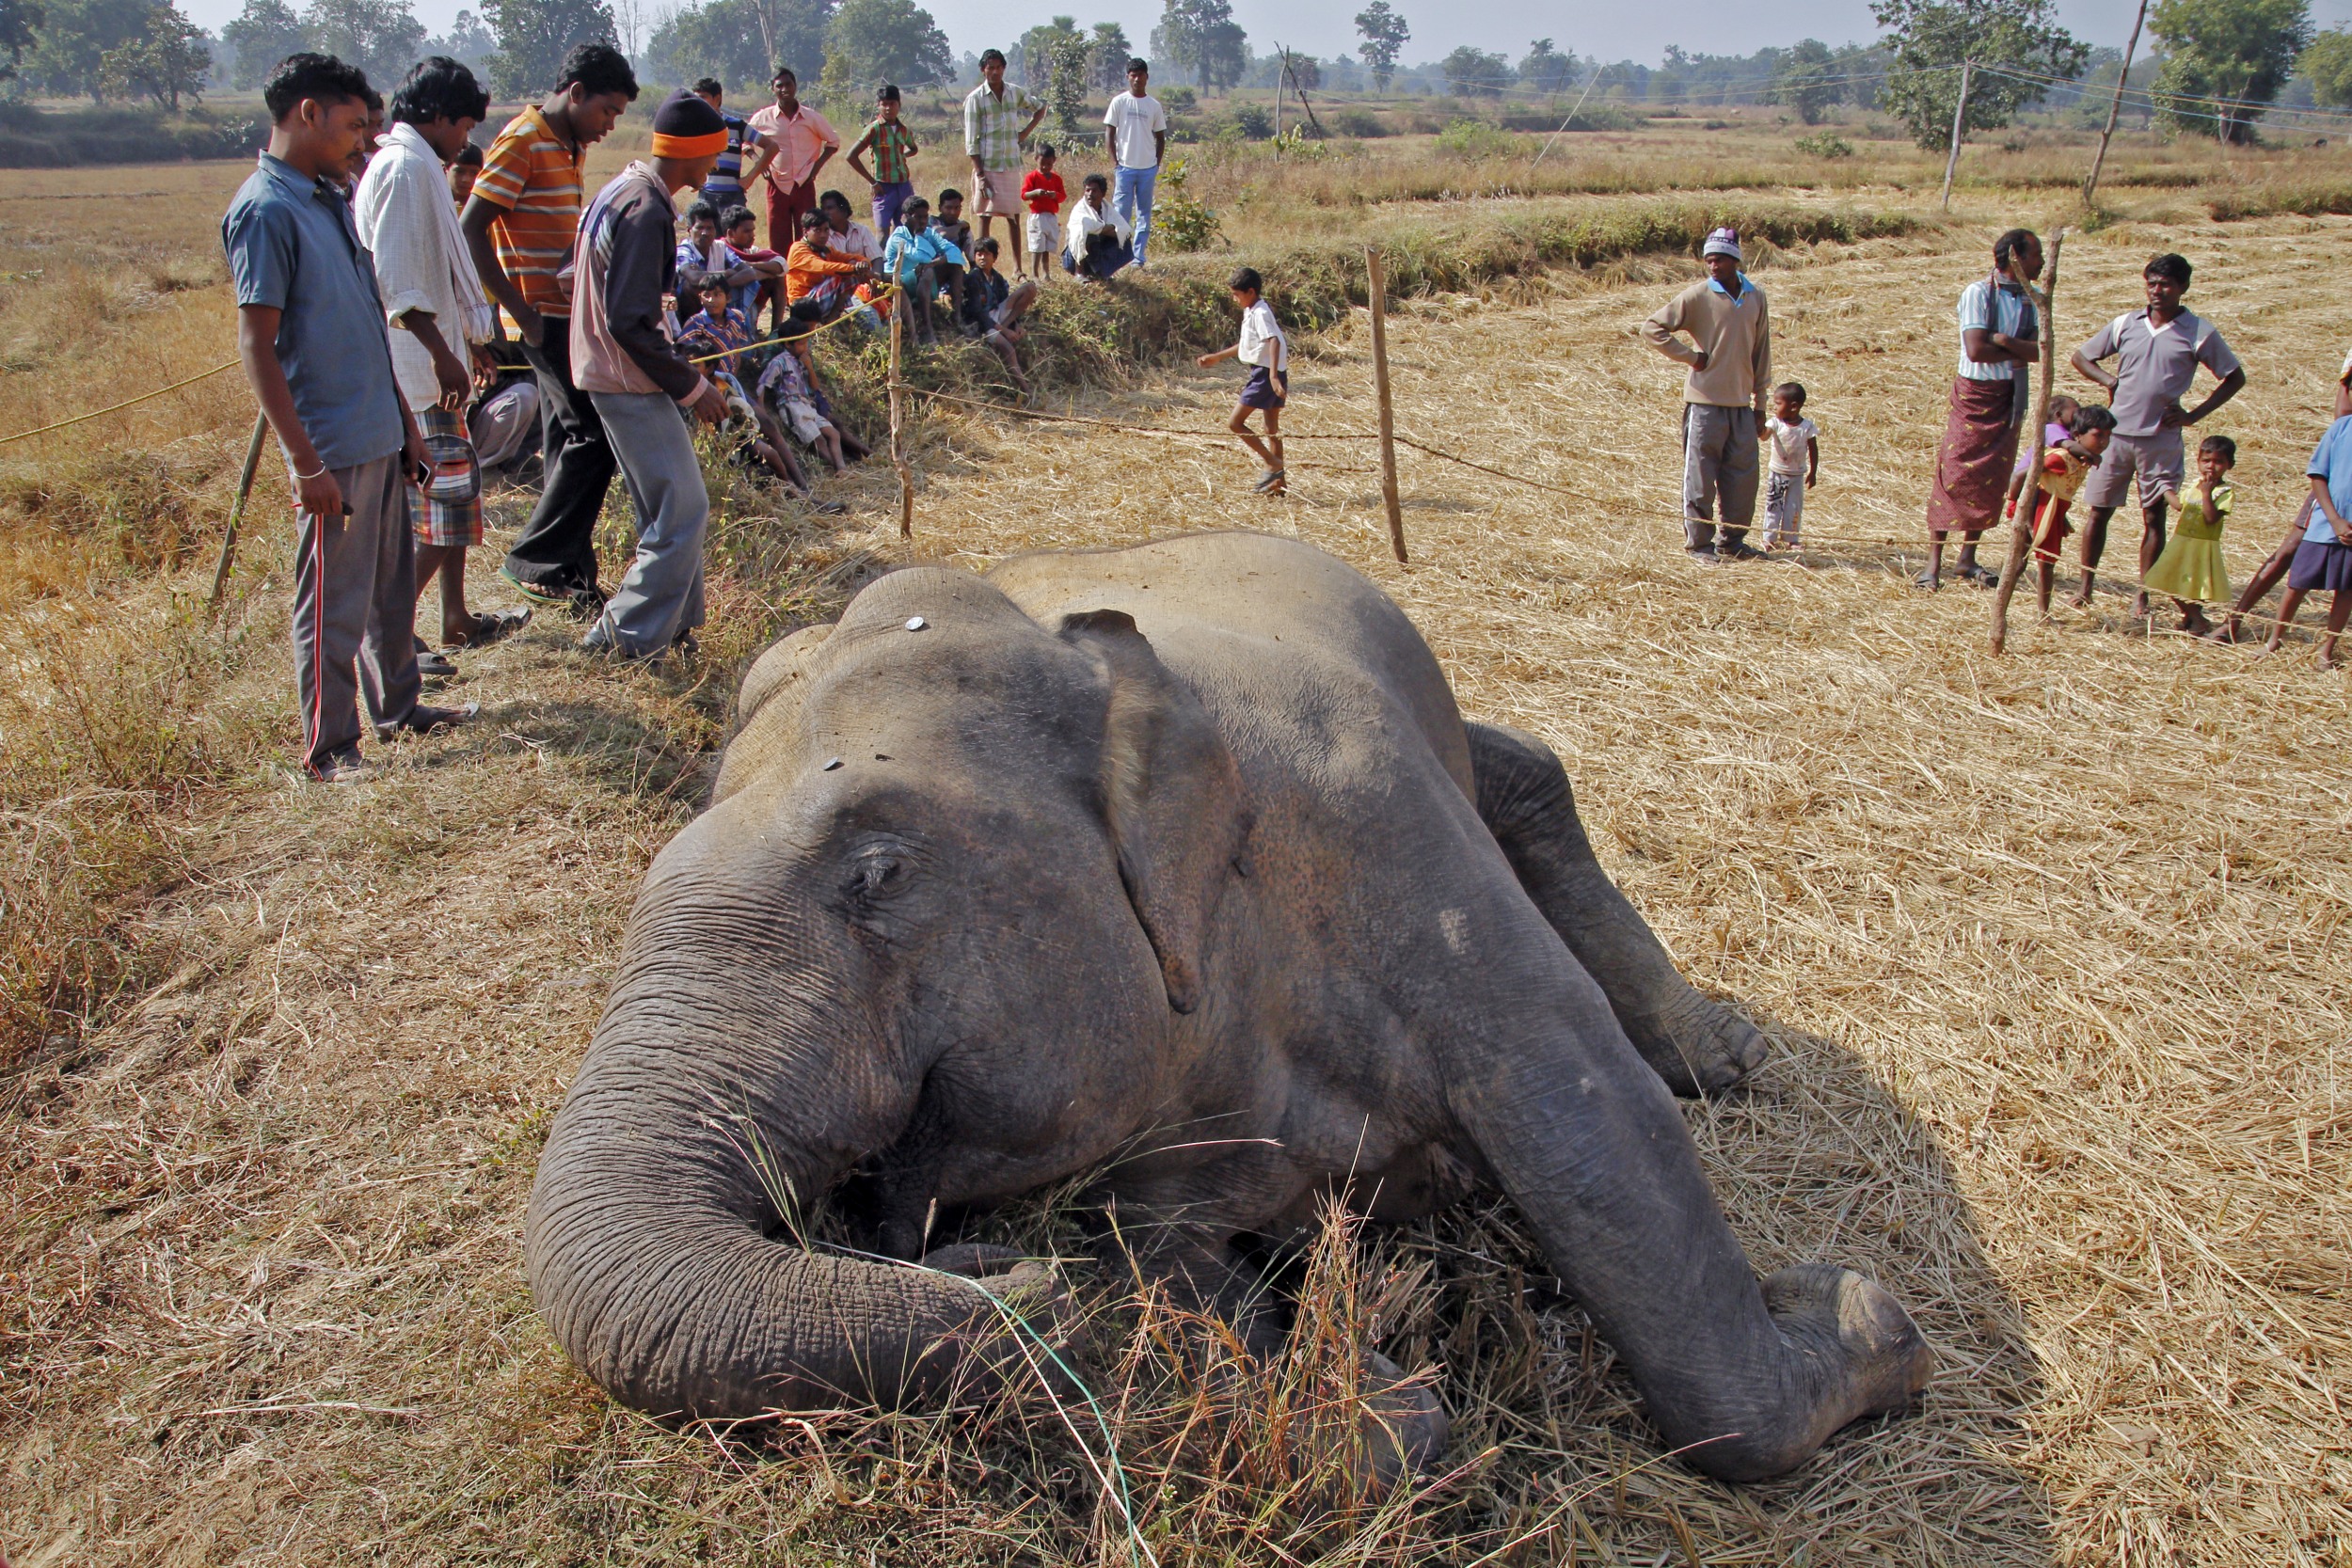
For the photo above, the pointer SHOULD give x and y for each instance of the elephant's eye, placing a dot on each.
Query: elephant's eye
(878, 876)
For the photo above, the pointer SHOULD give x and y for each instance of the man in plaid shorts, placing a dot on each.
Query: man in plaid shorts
(997, 123)
(426, 272)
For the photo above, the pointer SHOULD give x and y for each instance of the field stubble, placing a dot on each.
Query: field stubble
(2050, 949)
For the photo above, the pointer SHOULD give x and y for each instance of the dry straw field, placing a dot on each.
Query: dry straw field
(2052, 950)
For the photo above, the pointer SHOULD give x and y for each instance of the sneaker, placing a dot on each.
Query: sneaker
(424, 719)
(1739, 549)
(1705, 554)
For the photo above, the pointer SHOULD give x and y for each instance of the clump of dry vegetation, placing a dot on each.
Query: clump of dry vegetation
(2047, 948)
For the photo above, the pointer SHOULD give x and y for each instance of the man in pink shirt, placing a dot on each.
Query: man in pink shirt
(805, 144)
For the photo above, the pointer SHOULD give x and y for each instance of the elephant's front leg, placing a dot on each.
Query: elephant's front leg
(1749, 1377)
(1696, 1045)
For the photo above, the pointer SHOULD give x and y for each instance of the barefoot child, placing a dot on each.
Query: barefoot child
(1796, 464)
(2324, 560)
(1044, 192)
(2190, 567)
(1267, 354)
(2064, 467)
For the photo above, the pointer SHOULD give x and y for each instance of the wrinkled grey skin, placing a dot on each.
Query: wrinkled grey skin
(1177, 865)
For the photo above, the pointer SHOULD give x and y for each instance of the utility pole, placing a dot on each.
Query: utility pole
(2091, 182)
(1959, 115)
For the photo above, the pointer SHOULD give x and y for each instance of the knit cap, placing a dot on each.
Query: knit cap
(687, 127)
(1723, 242)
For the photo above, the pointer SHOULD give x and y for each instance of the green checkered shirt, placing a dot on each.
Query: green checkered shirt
(991, 125)
(889, 149)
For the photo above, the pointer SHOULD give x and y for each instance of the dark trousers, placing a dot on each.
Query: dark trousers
(355, 605)
(558, 545)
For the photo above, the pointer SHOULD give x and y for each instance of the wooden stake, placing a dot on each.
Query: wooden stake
(236, 514)
(898, 308)
(2021, 537)
(2091, 182)
(1959, 112)
(1377, 271)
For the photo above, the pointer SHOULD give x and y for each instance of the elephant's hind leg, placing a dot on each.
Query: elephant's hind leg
(1696, 1045)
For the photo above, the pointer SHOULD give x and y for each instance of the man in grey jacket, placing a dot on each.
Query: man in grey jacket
(1723, 399)
(624, 259)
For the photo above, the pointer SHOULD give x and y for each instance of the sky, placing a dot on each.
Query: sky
(1326, 27)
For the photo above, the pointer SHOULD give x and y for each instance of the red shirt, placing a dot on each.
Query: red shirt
(1043, 192)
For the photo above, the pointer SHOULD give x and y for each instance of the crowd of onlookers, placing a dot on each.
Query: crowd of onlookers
(414, 309)
(2101, 453)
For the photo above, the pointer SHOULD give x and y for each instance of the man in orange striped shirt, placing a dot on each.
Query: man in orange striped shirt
(520, 223)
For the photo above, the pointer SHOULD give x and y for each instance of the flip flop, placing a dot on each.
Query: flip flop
(1272, 481)
(538, 594)
(493, 627)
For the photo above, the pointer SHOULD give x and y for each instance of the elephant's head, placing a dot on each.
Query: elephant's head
(958, 865)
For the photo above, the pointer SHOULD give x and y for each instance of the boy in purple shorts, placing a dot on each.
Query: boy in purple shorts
(893, 174)
(1267, 354)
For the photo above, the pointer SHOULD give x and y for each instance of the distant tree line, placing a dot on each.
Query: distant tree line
(2212, 67)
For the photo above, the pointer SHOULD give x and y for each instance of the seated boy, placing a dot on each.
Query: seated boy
(910, 260)
(1101, 239)
(994, 307)
(718, 328)
(741, 232)
(948, 224)
(787, 388)
(820, 282)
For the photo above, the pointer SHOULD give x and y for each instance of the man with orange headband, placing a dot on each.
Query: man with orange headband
(624, 259)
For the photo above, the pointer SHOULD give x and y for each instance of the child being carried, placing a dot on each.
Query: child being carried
(2064, 467)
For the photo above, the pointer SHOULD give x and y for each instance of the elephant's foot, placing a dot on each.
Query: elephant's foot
(1856, 1348)
(1405, 1428)
(1696, 1046)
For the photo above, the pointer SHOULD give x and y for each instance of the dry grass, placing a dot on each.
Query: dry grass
(2051, 949)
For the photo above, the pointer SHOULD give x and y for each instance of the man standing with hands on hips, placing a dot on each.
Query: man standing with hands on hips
(2156, 352)
(1134, 135)
(1723, 399)
(993, 135)
(804, 143)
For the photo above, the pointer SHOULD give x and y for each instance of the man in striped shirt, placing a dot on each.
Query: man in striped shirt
(730, 178)
(520, 223)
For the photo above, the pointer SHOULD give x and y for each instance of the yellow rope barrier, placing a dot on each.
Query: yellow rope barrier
(888, 289)
(99, 413)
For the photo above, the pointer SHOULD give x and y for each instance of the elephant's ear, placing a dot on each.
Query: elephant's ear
(1172, 794)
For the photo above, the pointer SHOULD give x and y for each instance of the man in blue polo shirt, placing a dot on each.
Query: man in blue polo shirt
(310, 335)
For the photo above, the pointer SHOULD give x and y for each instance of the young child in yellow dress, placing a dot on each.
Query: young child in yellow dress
(2190, 568)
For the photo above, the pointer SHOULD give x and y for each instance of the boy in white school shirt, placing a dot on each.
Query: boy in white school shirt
(1267, 353)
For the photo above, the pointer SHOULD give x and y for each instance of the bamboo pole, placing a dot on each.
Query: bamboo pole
(2091, 182)
(1959, 115)
(898, 308)
(1377, 271)
(236, 514)
(2021, 536)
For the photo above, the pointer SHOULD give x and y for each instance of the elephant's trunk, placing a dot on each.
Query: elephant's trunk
(662, 1240)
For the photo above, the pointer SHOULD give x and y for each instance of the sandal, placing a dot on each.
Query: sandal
(1272, 483)
(493, 627)
(435, 666)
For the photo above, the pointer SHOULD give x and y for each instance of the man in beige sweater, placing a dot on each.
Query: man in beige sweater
(1730, 358)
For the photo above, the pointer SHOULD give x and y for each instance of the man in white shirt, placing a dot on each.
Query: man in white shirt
(1134, 135)
(846, 236)
(425, 272)
(1099, 240)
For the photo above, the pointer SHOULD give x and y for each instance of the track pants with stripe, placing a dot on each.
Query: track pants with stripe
(355, 611)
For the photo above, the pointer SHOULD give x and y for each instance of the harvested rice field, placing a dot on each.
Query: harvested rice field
(2052, 950)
